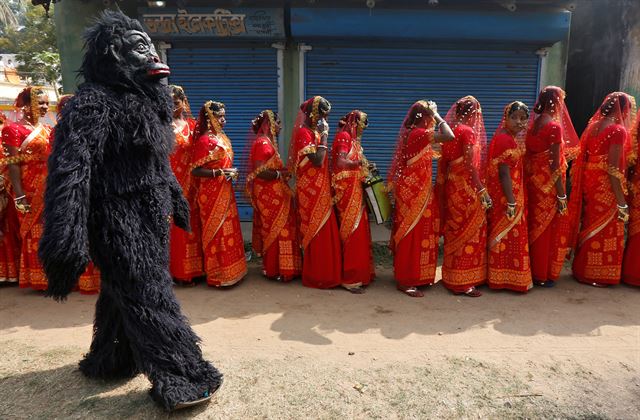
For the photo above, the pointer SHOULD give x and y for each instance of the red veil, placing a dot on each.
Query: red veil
(353, 124)
(263, 125)
(467, 111)
(519, 138)
(308, 116)
(416, 114)
(619, 108)
(559, 113)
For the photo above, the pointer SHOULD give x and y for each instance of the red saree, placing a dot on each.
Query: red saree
(9, 232)
(508, 266)
(413, 239)
(275, 233)
(631, 262)
(355, 232)
(548, 239)
(222, 244)
(600, 241)
(464, 220)
(34, 149)
(320, 237)
(185, 247)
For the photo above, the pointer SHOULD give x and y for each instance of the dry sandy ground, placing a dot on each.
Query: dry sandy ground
(291, 352)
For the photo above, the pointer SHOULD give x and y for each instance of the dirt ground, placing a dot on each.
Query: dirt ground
(290, 352)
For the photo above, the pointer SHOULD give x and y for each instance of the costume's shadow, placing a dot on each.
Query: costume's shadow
(309, 316)
(44, 394)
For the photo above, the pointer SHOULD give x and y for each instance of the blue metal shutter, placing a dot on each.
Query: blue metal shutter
(244, 78)
(385, 82)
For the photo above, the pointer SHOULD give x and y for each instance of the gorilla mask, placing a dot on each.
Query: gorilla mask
(119, 53)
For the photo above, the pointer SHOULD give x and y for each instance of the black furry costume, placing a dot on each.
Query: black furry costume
(110, 193)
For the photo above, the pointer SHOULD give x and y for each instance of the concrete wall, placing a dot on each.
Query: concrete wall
(72, 16)
(554, 67)
(291, 95)
(630, 72)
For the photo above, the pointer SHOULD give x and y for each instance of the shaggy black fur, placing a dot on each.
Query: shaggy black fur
(110, 193)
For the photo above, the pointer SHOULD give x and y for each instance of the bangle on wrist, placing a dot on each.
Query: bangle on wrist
(20, 198)
(277, 174)
(561, 197)
(512, 204)
(626, 206)
(482, 190)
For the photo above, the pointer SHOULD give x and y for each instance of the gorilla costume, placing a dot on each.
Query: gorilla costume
(109, 198)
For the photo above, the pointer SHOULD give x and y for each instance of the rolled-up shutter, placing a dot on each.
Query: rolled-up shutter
(385, 82)
(244, 78)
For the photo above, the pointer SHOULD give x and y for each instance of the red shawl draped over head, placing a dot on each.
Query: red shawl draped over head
(313, 186)
(596, 234)
(409, 178)
(463, 216)
(547, 230)
(415, 220)
(508, 259)
(34, 148)
(186, 248)
(347, 183)
(274, 220)
(222, 242)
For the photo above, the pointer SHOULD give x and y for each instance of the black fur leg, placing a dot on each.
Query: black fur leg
(163, 343)
(110, 356)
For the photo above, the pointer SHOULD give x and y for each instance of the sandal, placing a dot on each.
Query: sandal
(206, 397)
(356, 290)
(471, 292)
(411, 291)
(547, 283)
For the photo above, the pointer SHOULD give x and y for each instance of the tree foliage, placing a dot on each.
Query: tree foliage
(33, 41)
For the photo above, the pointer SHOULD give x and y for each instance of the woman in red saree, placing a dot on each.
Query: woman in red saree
(308, 161)
(27, 142)
(9, 226)
(631, 262)
(508, 244)
(185, 248)
(349, 168)
(212, 163)
(550, 143)
(414, 238)
(598, 208)
(275, 230)
(464, 199)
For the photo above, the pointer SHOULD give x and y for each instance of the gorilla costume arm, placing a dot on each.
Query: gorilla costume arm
(64, 247)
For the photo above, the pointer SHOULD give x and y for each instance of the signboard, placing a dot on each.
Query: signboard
(213, 23)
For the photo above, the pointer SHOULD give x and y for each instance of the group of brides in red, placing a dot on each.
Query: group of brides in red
(510, 211)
